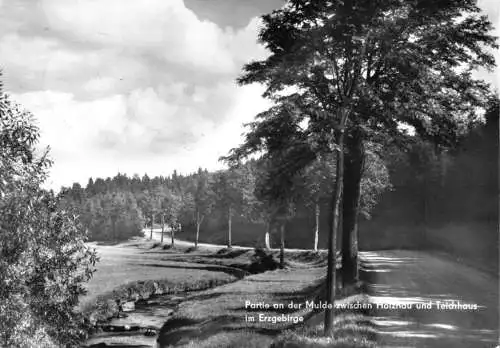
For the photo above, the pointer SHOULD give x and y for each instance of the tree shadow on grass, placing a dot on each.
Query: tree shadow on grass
(203, 297)
(308, 291)
(176, 333)
(238, 273)
(227, 253)
(262, 331)
(177, 329)
(284, 310)
(110, 242)
(272, 281)
(177, 323)
(104, 345)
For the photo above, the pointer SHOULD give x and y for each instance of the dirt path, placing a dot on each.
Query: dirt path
(400, 277)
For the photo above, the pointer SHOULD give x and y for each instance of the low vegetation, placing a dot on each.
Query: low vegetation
(136, 271)
(223, 316)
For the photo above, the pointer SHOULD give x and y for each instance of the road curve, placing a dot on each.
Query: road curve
(399, 277)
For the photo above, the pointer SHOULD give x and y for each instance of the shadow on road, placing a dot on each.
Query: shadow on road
(103, 345)
(422, 300)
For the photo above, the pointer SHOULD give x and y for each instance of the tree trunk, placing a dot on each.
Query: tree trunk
(198, 223)
(425, 208)
(230, 217)
(343, 112)
(172, 234)
(331, 279)
(114, 228)
(353, 168)
(282, 245)
(267, 241)
(162, 227)
(152, 222)
(316, 226)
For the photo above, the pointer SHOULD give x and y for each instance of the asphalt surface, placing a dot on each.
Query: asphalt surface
(400, 278)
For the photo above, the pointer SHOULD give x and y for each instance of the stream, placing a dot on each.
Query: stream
(137, 327)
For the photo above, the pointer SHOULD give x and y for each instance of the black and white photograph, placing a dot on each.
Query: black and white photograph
(249, 173)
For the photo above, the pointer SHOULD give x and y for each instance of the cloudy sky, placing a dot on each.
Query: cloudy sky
(136, 86)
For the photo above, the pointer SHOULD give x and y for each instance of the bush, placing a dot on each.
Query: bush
(44, 257)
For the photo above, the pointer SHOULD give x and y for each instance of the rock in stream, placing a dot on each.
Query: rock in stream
(137, 326)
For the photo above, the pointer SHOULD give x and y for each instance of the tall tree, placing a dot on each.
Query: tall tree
(262, 207)
(187, 210)
(89, 189)
(361, 68)
(318, 179)
(375, 179)
(277, 189)
(172, 205)
(45, 260)
(149, 202)
(233, 191)
(203, 201)
(161, 193)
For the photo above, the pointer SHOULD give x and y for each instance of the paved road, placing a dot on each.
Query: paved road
(400, 277)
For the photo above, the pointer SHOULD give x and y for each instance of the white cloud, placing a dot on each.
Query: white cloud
(42, 63)
(68, 126)
(142, 131)
(100, 84)
(50, 56)
(248, 104)
(166, 29)
(243, 42)
(491, 8)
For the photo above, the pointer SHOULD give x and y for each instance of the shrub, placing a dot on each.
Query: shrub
(44, 260)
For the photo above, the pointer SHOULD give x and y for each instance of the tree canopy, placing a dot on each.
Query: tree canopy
(343, 74)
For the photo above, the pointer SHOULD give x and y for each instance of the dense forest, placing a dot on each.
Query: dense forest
(444, 200)
(426, 198)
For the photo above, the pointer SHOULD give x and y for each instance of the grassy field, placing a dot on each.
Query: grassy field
(133, 270)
